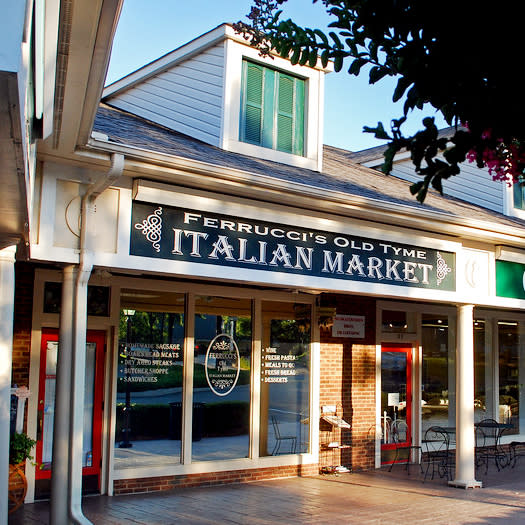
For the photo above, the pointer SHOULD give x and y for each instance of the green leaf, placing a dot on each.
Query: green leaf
(324, 58)
(305, 55)
(420, 190)
(286, 48)
(389, 156)
(402, 84)
(312, 60)
(437, 184)
(322, 36)
(338, 62)
(336, 40)
(414, 188)
(376, 74)
(356, 65)
(296, 55)
(352, 46)
(373, 48)
(411, 100)
(379, 131)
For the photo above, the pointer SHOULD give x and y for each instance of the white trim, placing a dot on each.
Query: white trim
(194, 47)
(110, 325)
(313, 140)
(315, 384)
(232, 180)
(205, 467)
(161, 193)
(508, 203)
(170, 195)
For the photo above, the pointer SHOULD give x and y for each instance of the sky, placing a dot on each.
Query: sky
(148, 29)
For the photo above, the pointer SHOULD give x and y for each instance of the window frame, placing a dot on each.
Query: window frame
(271, 93)
(235, 53)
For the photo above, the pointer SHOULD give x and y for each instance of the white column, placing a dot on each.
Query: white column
(7, 295)
(61, 431)
(78, 375)
(465, 439)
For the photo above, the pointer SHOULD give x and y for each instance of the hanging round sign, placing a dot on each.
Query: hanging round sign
(223, 364)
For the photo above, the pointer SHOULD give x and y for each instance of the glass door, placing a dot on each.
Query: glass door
(396, 399)
(92, 410)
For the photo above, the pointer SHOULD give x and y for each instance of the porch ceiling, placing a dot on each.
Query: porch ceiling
(13, 207)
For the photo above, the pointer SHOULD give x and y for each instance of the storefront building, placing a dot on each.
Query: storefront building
(239, 309)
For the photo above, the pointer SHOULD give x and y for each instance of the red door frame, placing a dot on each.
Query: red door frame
(402, 347)
(92, 336)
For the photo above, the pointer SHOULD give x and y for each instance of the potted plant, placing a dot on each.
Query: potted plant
(20, 447)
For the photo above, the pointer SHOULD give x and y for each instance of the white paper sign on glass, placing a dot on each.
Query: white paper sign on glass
(349, 326)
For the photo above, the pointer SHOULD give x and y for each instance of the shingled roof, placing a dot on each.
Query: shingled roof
(341, 173)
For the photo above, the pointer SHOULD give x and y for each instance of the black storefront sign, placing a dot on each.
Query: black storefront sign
(182, 234)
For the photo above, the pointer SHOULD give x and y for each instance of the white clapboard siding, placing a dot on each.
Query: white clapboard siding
(472, 184)
(187, 98)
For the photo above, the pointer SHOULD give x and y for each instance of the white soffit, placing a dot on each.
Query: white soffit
(504, 253)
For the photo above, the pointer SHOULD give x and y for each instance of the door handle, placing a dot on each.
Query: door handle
(39, 425)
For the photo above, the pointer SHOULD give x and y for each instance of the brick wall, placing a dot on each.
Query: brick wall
(364, 406)
(24, 280)
(348, 382)
(130, 486)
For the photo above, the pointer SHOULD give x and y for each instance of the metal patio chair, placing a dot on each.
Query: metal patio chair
(438, 456)
(403, 444)
(279, 438)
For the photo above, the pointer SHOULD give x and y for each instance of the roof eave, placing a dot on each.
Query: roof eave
(189, 172)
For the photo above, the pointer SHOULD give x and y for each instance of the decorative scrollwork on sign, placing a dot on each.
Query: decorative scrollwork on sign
(442, 269)
(151, 228)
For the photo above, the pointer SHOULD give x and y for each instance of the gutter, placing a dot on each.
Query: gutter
(265, 188)
(66, 504)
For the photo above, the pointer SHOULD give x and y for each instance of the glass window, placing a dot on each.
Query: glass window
(149, 380)
(221, 378)
(285, 378)
(518, 194)
(394, 321)
(97, 299)
(438, 369)
(272, 112)
(509, 384)
(482, 405)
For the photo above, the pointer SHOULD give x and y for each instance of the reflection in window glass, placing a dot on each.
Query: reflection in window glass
(49, 404)
(481, 409)
(394, 321)
(149, 385)
(285, 379)
(221, 378)
(435, 374)
(509, 388)
(97, 299)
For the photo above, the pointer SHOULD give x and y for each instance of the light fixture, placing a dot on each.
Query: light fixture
(128, 312)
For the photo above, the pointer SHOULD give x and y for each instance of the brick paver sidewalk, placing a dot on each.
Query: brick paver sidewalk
(377, 497)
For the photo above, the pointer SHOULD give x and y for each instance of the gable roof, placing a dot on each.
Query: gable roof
(341, 175)
(193, 47)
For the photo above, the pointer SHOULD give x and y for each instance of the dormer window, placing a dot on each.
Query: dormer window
(519, 196)
(218, 89)
(272, 109)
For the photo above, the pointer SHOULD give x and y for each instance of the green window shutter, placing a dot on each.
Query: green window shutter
(272, 109)
(285, 113)
(270, 77)
(251, 120)
(298, 146)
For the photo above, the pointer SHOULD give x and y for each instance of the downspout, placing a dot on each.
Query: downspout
(78, 364)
